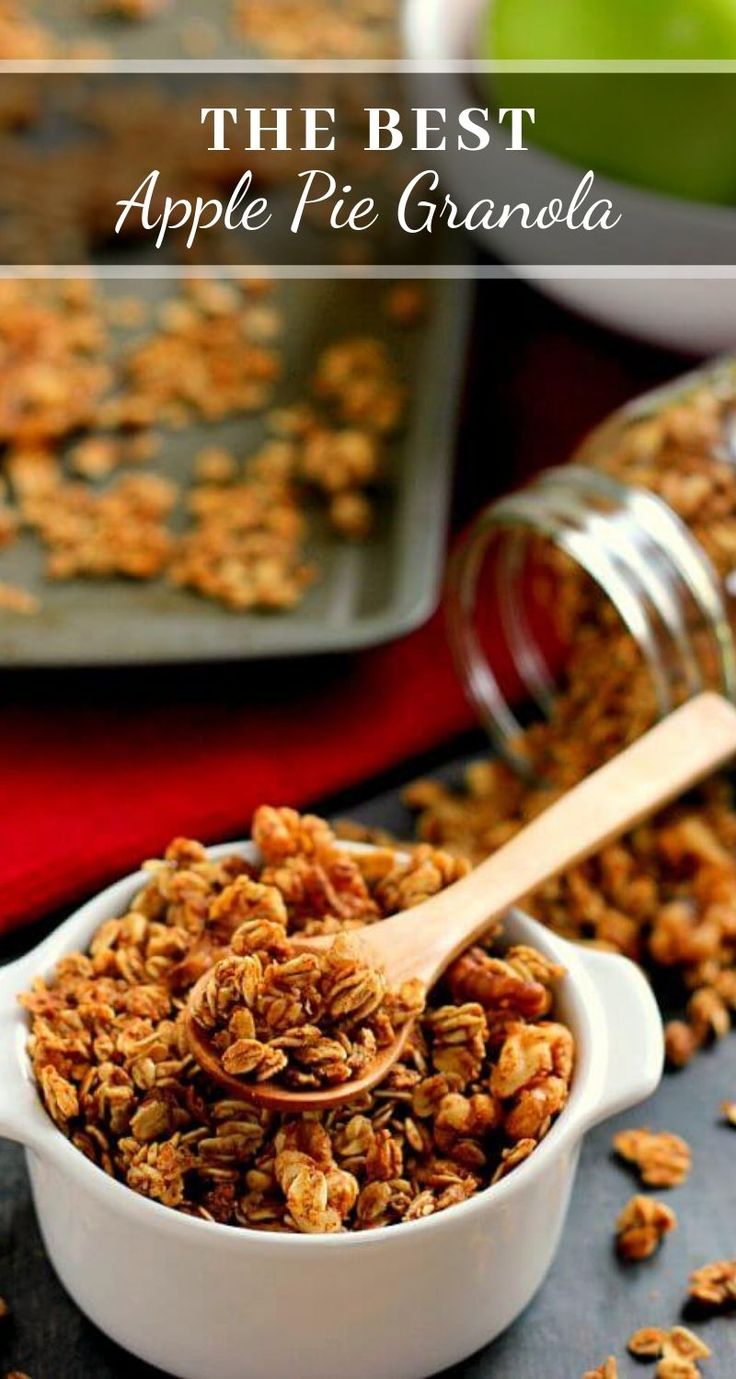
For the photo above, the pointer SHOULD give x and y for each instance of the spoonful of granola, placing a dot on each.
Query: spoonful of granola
(299, 1023)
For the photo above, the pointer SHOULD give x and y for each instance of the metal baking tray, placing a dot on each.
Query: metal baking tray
(366, 594)
(193, 29)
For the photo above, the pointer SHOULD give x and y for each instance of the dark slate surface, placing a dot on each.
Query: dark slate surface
(586, 1310)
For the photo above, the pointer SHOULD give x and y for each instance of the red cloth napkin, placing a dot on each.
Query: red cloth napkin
(89, 790)
(99, 771)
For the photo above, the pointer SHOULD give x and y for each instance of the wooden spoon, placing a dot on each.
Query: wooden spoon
(422, 942)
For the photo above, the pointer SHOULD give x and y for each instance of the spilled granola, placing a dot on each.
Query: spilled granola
(485, 1072)
(642, 1226)
(713, 1285)
(661, 1159)
(677, 1351)
(608, 1370)
(665, 895)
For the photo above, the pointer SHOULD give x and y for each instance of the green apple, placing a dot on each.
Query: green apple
(672, 133)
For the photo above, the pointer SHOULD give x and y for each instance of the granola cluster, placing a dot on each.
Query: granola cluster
(713, 1286)
(305, 1020)
(677, 1351)
(83, 419)
(642, 1226)
(311, 28)
(282, 28)
(664, 895)
(484, 1073)
(661, 1158)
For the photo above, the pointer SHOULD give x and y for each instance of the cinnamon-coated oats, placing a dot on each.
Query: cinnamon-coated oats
(280, 28)
(665, 894)
(676, 1350)
(315, 28)
(647, 1342)
(236, 533)
(303, 1019)
(662, 1159)
(714, 1285)
(476, 1089)
(608, 1370)
(642, 1226)
(676, 1368)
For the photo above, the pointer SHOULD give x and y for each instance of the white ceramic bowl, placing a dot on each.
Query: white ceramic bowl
(688, 315)
(199, 1299)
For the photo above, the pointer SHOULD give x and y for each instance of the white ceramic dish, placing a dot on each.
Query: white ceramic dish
(198, 1299)
(693, 316)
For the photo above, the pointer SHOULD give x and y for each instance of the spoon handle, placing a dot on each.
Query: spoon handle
(676, 754)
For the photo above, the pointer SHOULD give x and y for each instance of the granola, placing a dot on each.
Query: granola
(642, 1226)
(477, 1087)
(272, 1012)
(234, 530)
(647, 1343)
(289, 29)
(662, 1159)
(608, 1370)
(313, 28)
(665, 895)
(714, 1285)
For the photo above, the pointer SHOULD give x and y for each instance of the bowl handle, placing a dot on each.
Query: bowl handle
(22, 1117)
(634, 1055)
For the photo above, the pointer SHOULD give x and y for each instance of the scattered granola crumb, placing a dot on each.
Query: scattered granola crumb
(351, 513)
(714, 1285)
(728, 1111)
(662, 1159)
(608, 1370)
(14, 599)
(647, 1343)
(683, 1344)
(642, 1226)
(680, 1043)
(406, 304)
(675, 1368)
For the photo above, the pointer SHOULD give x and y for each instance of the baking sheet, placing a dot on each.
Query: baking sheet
(180, 29)
(365, 594)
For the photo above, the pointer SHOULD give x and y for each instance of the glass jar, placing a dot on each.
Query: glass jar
(635, 537)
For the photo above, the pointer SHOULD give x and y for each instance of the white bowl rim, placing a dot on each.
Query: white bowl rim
(570, 1124)
(714, 212)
